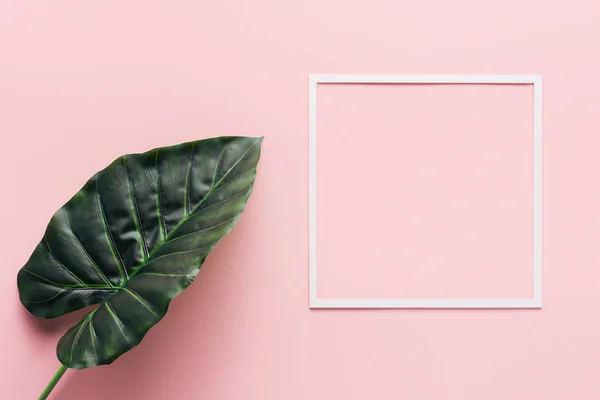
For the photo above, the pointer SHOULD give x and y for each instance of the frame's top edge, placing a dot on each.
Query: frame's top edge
(426, 78)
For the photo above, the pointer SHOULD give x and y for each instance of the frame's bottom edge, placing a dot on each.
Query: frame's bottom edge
(426, 303)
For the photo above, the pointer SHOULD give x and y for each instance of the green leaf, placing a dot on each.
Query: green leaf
(132, 239)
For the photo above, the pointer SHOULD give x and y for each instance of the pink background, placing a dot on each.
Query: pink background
(425, 191)
(83, 82)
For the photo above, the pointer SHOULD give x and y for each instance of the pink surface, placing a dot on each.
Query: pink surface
(83, 82)
(425, 191)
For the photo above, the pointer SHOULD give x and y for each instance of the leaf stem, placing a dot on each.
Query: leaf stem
(61, 371)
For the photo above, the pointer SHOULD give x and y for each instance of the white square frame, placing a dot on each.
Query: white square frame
(536, 300)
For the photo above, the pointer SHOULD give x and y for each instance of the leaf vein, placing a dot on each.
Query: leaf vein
(139, 299)
(48, 299)
(85, 252)
(135, 212)
(78, 336)
(60, 285)
(212, 183)
(109, 238)
(93, 337)
(186, 188)
(70, 334)
(236, 163)
(115, 318)
(220, 202)
(169, 255)
(61, 264)
(200, 230)
(159, 201)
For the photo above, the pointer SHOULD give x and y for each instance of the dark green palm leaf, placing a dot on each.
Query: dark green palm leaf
(132, 239)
